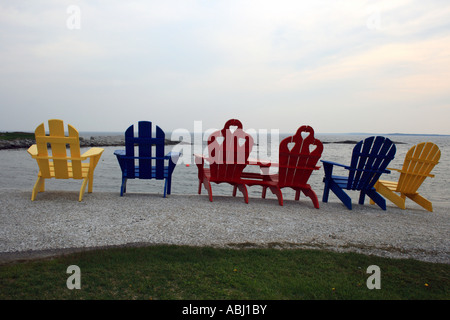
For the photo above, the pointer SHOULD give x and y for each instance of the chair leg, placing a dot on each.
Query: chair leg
(312, 195)
(91, 182)
(326, 191)
(234, 190)
(327, 179)
(207, 185)
(277, 191)
(297, 194)
(362, 196)
(123, 187)
(399, 201)
(165, 187)
(199, 186)
(243, 189)
(42, 186)
(169, 184)
(263, 195)
(83, 188)
(377, 198)
(346, 200)
(424, 203)
(38, 186)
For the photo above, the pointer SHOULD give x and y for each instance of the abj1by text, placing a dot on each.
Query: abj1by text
(240, 310)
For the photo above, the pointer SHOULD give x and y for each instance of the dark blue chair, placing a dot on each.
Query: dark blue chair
(146, 164)
(370, 159)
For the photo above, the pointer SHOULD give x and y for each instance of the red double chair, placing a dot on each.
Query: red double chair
(228, 156)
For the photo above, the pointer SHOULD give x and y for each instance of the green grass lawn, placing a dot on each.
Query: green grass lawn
(192, 273)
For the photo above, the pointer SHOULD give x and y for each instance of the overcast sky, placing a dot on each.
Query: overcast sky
(339, 66)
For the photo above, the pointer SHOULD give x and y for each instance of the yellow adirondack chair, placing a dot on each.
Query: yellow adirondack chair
(59, 165)
(419, 161)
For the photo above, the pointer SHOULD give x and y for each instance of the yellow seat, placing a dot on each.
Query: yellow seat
(418, 163)
(59, 164)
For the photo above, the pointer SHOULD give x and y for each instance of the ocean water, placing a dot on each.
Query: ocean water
(19, 171)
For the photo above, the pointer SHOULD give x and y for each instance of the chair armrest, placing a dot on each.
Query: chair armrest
(94, 155)
(328, 168)
(261, 163)
(33, 150)
(93, 152)
(370, 170)
(335, 164)
(199, 159)
(123, 155)
(173, 156)
(119, 153)
(419, 174)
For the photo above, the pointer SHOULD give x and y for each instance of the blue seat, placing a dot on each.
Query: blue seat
(370, 159)
(146, 164)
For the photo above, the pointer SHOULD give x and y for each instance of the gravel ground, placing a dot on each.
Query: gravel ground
(56, 223)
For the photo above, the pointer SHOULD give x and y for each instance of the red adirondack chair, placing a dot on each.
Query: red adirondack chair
(298, 157)
(228, 152)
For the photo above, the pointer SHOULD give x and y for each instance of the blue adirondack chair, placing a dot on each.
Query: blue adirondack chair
(370, 159)
(149, 165)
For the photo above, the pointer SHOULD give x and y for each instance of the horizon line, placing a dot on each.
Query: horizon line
(331, 133)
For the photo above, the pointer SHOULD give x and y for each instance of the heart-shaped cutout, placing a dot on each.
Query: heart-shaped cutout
(312, 147)
(220, 140)
(290, 145)
(232, 129)
(305, 134)
(241, 142)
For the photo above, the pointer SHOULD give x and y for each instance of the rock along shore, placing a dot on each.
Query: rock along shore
(97, 141)
(110, 141)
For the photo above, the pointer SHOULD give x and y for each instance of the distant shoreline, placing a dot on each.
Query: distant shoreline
(98, 141)
(23, 140)
(111, 141)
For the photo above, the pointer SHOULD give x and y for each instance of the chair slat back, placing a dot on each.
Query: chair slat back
(369, 158)
(148, 168)
(64, 165)
(418, 163)
(298, 157)
(228, 151)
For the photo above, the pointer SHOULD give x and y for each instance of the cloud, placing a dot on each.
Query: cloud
(259, 60)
